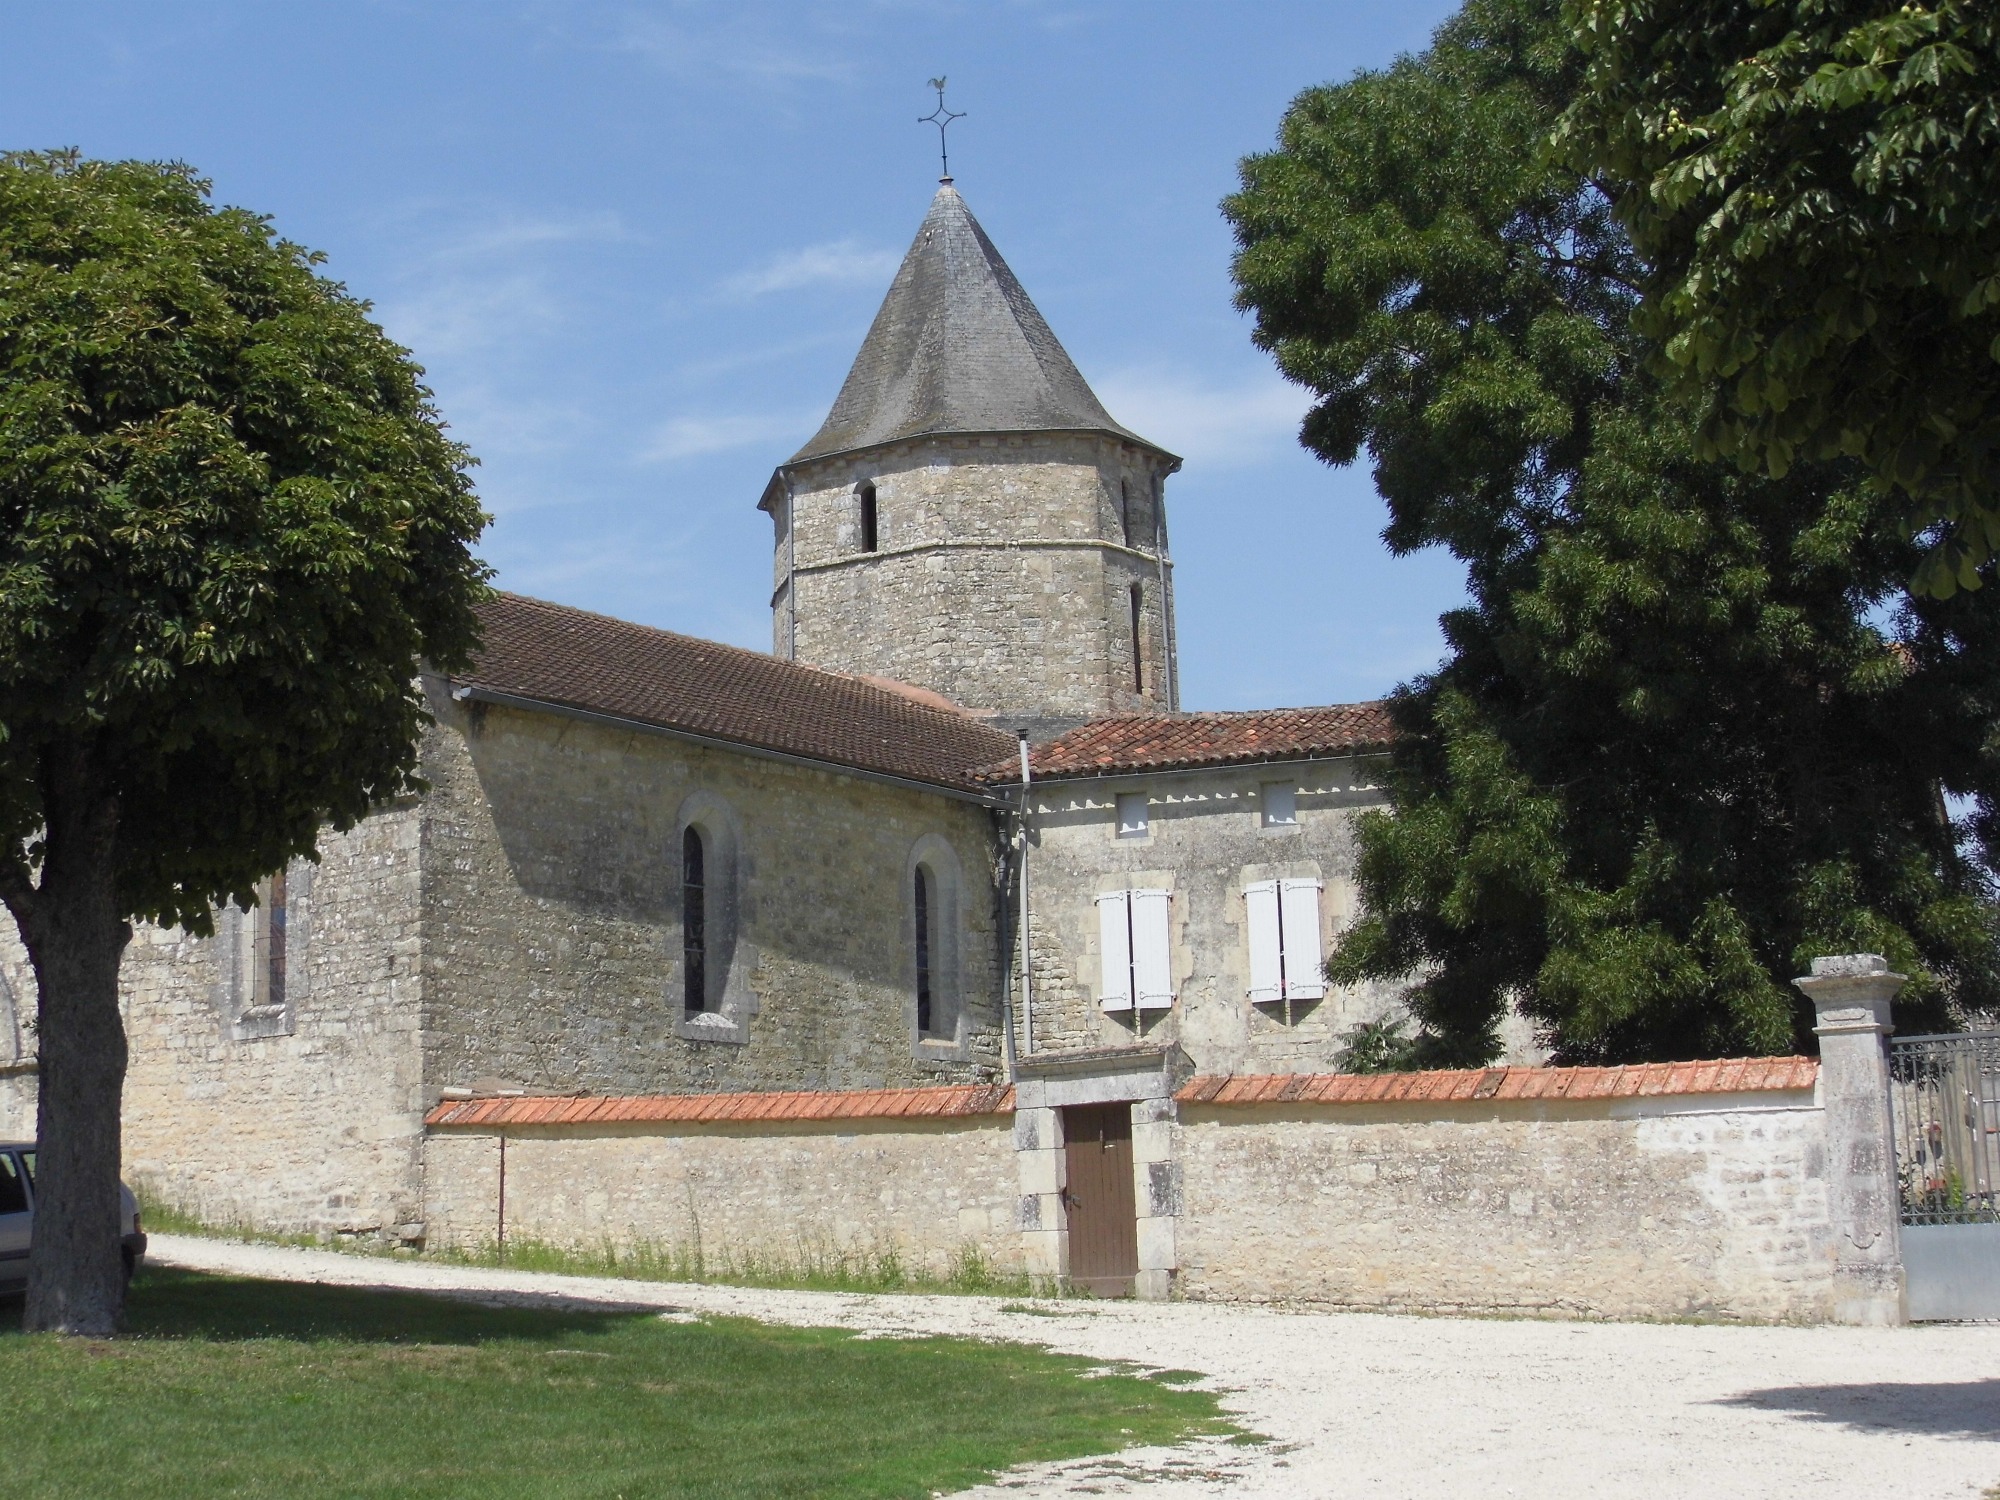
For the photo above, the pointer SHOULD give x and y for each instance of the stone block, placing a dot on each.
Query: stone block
(1040, 1171)
(1153, 1142)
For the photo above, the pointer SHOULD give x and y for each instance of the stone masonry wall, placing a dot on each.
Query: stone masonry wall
(1205, 841)
(1646, 1208)
(17, 1036)
(552, 916)
(1002, 574)
(308, 1122)
(785, 1197)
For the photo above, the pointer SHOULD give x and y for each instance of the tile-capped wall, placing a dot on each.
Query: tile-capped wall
(1709, 1206)
(933, 1193)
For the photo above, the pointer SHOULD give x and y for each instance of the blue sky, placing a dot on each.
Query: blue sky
(636, 246)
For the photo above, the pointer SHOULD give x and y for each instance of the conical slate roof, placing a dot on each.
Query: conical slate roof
(957, 347)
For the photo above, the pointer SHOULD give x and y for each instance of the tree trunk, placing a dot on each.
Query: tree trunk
(76, 935)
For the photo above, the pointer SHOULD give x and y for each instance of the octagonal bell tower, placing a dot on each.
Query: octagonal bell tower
(969, 518)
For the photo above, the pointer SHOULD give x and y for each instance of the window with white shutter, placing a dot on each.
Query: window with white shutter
(1152, 956)
(1283, 925)
(1267, 964)
(1135, 943)
(1298, 919)
(1114, 928)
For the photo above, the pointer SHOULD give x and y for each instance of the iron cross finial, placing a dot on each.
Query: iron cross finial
(941, 117)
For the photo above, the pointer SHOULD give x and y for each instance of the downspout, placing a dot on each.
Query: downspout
(1006, 842)
(500, 1227)
(1166, 595)
(1027, 951)
(791, 574)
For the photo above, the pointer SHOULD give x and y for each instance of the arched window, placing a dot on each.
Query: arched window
(869, 535)
(925, 1009)
(268, 981)
(1138, 658)
(933, 985)
(1125, 512)
(694, 921)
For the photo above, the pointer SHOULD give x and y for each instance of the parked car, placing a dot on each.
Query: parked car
(17, 1217)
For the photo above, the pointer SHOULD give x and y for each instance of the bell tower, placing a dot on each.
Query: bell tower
(969, 518)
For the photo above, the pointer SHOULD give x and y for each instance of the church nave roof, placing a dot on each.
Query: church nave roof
(570, 658)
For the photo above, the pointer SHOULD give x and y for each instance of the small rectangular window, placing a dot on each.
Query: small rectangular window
(1132, 822)
(1280, 804)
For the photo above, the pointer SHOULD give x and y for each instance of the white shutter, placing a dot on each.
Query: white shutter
(1260, 901)
(1114, 930)
(1152, 958)
(1299, 909)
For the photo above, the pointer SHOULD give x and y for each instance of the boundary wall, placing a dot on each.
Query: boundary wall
(784, 1181)
(1685, 1190)
(1672, 1190)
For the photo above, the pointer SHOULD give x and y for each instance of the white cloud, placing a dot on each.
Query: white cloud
(691, 436)
(739, 43)
(486, 285)
(1220, 426)
(836, 263)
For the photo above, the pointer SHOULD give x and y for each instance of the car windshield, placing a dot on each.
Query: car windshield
(13, 1193)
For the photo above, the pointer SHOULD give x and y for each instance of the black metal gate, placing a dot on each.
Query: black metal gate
(1944, 1095)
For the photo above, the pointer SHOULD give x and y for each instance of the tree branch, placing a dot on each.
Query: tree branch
(19, 893)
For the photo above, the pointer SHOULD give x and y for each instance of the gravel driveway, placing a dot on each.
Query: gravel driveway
(1394, 1407)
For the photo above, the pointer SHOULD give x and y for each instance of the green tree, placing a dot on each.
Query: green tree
(1690, 732)
(230, 525)
(1815, 185)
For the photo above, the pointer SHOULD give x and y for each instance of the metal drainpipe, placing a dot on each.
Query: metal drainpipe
(791, 574)
(500, 1234)
(1166, 595)
(1027, 951)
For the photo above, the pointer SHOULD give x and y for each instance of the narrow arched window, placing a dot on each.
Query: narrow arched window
(1138, 659)
(925, 1010)
(869, 536)
(694, 921)
(269, 985)
(1125, 512)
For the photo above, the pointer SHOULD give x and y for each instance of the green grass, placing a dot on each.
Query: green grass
(810, 1268)
(229, 1387)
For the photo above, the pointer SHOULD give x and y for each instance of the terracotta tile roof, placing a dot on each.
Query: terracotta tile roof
(1158, 742)
(1741, 1075)
(568, 657)
(848, 1104)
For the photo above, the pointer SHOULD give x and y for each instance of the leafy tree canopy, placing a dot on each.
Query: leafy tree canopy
(1690, 733)
(1816, 187)
(230, 524)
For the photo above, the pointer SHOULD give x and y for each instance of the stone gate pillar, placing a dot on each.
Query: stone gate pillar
(1850, 995)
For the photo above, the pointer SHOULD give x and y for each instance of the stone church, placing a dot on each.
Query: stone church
(911, 936)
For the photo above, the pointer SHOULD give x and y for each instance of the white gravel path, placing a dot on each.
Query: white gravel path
(1396, 1407)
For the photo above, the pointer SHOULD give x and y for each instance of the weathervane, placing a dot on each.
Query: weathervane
(941, 117)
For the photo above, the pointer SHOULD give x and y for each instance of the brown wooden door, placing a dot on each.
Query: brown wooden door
(1103, 1219)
